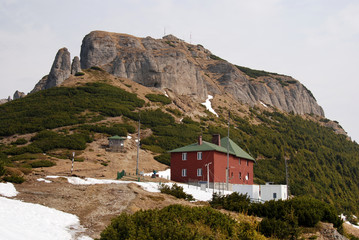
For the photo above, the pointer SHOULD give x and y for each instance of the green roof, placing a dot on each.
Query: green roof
(234, 149)
(116, 137)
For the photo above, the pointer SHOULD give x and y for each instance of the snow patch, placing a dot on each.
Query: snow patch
(208, 105)
(263, 104)
(21, 220)
(166, 94)
(43, 180)
(345, 220)
(7, 190)
(129, 137)
(195, 191)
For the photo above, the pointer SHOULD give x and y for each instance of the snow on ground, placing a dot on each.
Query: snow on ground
(195, 191)
(345, 220)
(8, 190)
(21, 220)
(208, 105)
(43, 180)
(263, 104)
(129, 137)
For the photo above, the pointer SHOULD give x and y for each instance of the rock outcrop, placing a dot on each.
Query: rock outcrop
(191, 70)
(60, 70)
(75, 66)
(18, 95)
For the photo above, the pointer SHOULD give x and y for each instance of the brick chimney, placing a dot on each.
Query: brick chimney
(200, 140)
(216, 139)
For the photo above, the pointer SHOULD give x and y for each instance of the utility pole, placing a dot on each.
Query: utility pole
(286, 175)
(138, 144)
(227, 169)
(207, 165)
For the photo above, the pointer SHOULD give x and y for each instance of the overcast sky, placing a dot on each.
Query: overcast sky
(314, 41)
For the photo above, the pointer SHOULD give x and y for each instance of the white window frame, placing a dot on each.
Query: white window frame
(199, 155)
(184, 156)
(184, 172)
(199, 172)
(247, 177)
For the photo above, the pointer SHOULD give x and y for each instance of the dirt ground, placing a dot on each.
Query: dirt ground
(95, 205)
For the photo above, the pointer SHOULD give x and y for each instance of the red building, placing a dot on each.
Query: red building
(189, 163)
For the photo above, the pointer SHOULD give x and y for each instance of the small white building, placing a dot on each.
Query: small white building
(251, 190)
(262, 192)
(273, 192)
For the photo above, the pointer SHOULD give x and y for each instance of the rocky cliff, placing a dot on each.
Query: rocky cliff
(186, 69)
(191, 70)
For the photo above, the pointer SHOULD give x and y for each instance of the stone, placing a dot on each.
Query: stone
(18, 95)
(75, 66)
(60, 70)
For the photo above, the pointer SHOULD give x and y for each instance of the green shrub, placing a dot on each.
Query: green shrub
(2, 169)
(164, 159)
(79, 74)
(97, 68)
(274, 228)
(214, 57)
(176, 191)
(233, 202)
(42, 163)
(176, 112)
(20, 141)
(14, 179)
(178, 222)
(158, 98)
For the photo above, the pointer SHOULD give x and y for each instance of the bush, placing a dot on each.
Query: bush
(232, 202)
(2, 169)
(79, 74)
(20, 141)
(158, 98)
(178, 222)
(14, 179)
(42, 163)
(176, 191)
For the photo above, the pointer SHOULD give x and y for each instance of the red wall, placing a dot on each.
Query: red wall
(218, 167)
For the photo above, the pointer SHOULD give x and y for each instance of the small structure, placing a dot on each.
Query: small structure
(251, 190)
(116, 143)
(273, 192)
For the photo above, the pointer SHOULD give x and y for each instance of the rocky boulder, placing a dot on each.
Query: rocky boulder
(18, 95)
(75, 66)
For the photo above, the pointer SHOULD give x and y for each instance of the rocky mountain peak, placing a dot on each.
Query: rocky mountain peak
(192, 70)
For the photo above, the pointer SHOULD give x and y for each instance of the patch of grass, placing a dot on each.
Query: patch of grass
(42, 163)
(158, 98)
(79, 74)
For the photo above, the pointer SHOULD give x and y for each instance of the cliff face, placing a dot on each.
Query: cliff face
(191, 70)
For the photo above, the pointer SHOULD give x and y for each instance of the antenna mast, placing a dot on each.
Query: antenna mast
(227, 169)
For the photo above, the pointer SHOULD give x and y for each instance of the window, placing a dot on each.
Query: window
(199, 172)
(184, 172)
(274, 195)
(239, 161)
(199, 156)
(240, 175)
(247, 162)
(184, 156)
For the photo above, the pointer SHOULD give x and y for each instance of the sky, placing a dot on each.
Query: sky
(314, 41)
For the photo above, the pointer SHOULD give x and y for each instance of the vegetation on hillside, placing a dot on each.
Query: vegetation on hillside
(179, 222)
(281, 219)
(321, 163)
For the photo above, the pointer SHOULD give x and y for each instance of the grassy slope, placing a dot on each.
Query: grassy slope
(322, 163)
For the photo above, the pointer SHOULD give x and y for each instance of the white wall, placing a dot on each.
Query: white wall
(251, 190)
(267, 192)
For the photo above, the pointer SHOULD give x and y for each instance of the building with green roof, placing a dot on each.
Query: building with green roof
(202, 160)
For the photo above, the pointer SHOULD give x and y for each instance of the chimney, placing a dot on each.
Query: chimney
(200, 140)
(216, 139)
